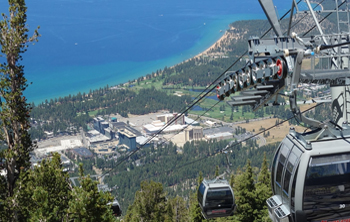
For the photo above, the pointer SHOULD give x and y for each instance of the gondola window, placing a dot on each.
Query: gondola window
(327, 186)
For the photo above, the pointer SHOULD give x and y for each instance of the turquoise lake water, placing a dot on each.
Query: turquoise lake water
(87, 44)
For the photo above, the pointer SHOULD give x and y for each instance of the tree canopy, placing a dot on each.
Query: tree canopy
(14, 109)
(42, 193)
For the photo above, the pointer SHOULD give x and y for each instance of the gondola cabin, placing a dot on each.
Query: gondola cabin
(311, 178)
(216, 198)
(117, 211)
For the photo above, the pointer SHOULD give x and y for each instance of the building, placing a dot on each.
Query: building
(193, 133)
(63, 145)
(93, 136)
(168, 117)
(210, 123)
(151, 129)
(220, 136)
(164, 118)
(142, 141)
(221, 129)
(127, 139)
(155, 127)
(133, 130)
(104, 149)
(118, 126)
(109, 133)
(82, 152)
(97, 123)
(103, 125)
(190, 121)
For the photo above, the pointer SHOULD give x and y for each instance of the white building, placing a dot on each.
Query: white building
(220, 136)
(210, 123)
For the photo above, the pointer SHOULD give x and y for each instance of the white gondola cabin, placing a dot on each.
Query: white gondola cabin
(117, 211)
(311, 180)
(216, 198)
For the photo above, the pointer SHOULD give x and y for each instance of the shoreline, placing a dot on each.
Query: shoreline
(224, 37)
(206, 52)
(210, 51)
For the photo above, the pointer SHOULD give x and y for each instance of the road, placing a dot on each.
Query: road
(262, 140)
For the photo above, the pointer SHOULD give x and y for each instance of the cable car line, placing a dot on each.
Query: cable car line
(279, 20)
(228, 165)
(312, 165)
(322, 19)
(237, 60)
(200, 96)
(195, 102)
(297, 22)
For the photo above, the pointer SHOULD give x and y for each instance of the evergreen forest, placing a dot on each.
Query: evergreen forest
(157, 183)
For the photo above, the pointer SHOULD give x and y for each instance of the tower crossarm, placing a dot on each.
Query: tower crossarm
(276, 63)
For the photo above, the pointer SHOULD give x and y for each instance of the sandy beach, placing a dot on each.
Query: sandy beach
(215, 45)
(226, 36)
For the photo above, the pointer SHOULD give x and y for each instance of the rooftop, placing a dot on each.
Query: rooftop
(190, 121)
(100, 138)
(118, 124)
(171, 128)
(93, 132)
(133, 130)
(168, 115)
(82, 151)
(216, 130)
(218, 135)
(65, 144)
(127, 133)
(141, 140)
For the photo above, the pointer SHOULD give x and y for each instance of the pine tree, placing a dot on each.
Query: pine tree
(216, 171)
(169, 213)
(14, 109)
(263, 191)
(177, 210)
(244, 191)
(264, 175)
(149, 203)
(200, 179)
(195, 209)
(87, 203)
(232, 180)
(45, 192)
